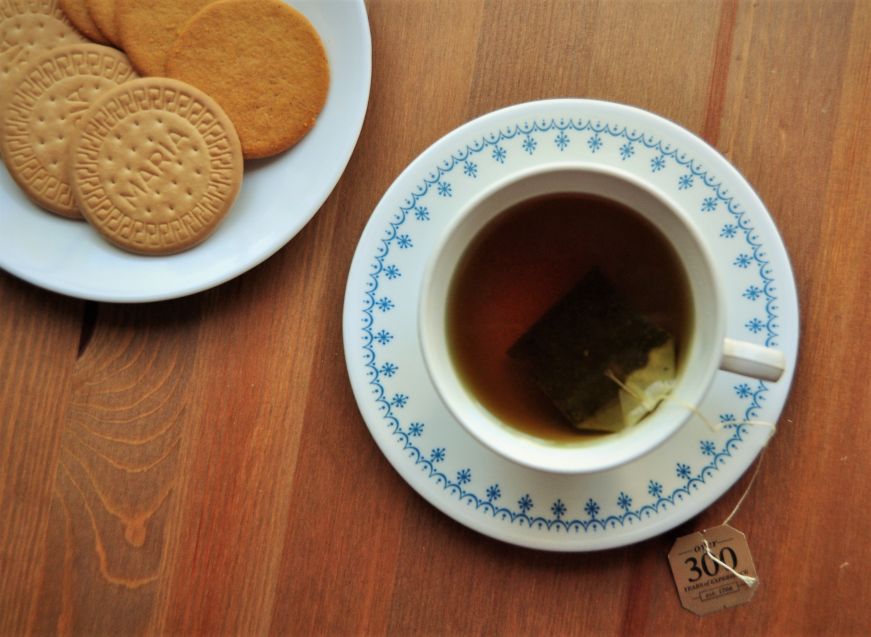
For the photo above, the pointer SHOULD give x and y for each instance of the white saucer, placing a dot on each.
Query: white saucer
(431, 450)
(278, 196)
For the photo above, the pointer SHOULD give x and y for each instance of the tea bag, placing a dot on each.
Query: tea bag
(603, 365)
(640, 393)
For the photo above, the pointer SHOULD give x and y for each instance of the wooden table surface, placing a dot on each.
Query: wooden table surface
(200, 466)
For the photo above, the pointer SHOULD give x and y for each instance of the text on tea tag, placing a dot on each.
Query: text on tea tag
(713, 569)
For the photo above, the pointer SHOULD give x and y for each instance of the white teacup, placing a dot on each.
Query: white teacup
(709, 350)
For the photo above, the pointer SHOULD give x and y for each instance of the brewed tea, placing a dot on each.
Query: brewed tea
(527, 260)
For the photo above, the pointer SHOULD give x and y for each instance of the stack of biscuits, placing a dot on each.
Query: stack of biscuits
(136, 115)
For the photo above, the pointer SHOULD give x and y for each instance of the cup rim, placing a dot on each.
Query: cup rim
(555, 457)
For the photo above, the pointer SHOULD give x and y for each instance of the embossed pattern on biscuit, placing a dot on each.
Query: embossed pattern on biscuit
(26, 34)
(157, 166)
(9, 8)
(43, 112)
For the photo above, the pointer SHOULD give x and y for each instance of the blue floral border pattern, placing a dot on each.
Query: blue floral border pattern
(649, 496)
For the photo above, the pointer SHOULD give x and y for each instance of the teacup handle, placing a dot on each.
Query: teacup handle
(749, 359)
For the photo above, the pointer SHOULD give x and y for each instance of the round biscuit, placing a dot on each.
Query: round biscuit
(77, 13)
(103, 14)
(10, 8)
(43, 111)
(25, 34)
(263, 62)
(148, 28)
(156, 166)
(28, 27)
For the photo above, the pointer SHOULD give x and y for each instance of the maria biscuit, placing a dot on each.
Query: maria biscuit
(156, 166)
(43, 111)
(24, 33)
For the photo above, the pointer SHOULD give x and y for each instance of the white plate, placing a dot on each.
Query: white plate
(431, 450)
(278, 196)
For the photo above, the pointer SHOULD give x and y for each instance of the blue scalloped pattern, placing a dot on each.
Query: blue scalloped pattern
(594, 136)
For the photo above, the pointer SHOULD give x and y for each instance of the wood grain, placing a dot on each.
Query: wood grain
(35, 368)
(118, 477)
(200, 466)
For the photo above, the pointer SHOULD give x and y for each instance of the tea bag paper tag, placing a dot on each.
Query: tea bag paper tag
(704, 583)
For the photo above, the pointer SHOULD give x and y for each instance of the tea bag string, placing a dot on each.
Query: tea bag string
(751, 582)
(650, 404)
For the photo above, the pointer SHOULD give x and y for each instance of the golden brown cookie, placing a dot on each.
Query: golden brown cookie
(48, 98)
(156, 166)
(78, 14)
(103, 14)
(263, 62)
(148, 28)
